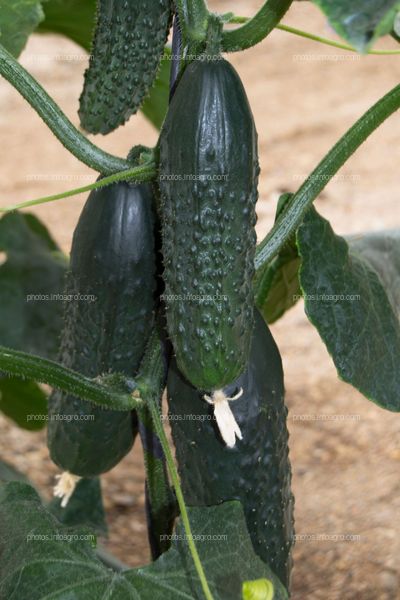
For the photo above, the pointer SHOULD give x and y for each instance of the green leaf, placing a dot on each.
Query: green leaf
(381, 250)
(85, 507)
(276, 284)
(31, 280)
(42, 559)
(31, 264)
(75, 19)
(72, 18)
(18, 19)
(24, 402)
(346, 300)
(360, 22)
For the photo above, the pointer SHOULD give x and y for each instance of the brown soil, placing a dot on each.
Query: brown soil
(346, 470)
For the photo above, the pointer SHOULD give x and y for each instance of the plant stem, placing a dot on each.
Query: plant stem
(151, 377)
(316, 38)
(257, 28)
(193, 16)
(25, 365)
(56, 120)
(179, 495)
(291, 217)
(146, 172)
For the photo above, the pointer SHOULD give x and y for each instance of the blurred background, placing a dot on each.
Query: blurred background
(345, 451)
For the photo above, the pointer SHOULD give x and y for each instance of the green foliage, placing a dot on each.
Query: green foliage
(346, 300)
(72, 18)
(40, 557)
(24, 402)
(360, 22)
(18, 19)
(32, 273)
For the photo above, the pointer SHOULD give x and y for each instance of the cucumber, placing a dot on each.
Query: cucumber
(257, 471)
(126, 52)
(208, 182)
(112, 260)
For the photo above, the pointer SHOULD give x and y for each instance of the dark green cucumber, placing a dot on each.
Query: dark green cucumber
(126, 53)
(208, 182)
(257, 470)
(113, 260)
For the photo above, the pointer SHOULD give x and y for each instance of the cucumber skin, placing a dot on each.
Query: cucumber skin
(257, 471)
(126, 52)
(208, 226)
(113, 258)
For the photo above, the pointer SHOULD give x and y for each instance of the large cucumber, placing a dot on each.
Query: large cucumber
(126, 52)
(208, 181)
(257, 471)
(113, 262)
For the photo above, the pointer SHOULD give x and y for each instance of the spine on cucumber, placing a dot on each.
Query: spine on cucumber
(125, 57)
(108, 318)
(257, 471)
(208, 181)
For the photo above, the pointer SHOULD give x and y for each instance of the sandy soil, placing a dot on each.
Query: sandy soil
(346, 470)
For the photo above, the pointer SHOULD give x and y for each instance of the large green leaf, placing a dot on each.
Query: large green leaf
(276, 285)
(345, 298)
(43, 559)
(381, 250)
(360, 22)
(18, 19)
(31, 285)
(75, 19)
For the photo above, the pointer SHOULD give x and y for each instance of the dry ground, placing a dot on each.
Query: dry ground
(346, 471)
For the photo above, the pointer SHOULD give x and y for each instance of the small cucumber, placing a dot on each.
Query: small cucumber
(208, 182)
(108, 318)
(126, 51)
(257, 471)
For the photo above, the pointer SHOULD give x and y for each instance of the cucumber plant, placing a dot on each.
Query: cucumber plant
(167, 289)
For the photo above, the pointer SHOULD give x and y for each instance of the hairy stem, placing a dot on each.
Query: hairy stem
(152, 372)
(146, 172)
(21, 364)
(257, 28)
(291, 217)
(56, 120)
(315, 38)
(193, 16)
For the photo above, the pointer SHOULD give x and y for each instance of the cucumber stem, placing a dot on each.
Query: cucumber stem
(139, 174)
(73, 140)
(256, 28)
(291, 217)
(315, 38)
(150, 385)
(28, 366)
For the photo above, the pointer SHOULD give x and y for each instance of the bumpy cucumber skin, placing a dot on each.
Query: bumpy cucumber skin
(257, 471)
(126, 52)
(112, 258)
(208, 222)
